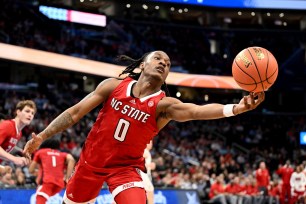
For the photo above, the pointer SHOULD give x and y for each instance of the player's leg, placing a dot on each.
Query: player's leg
(84, 185)
(149, 188)
(131, 195)
(45, 191)
(127, 186)
(40, 199)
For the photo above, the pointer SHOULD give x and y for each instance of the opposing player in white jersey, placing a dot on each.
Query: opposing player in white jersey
(146, 177)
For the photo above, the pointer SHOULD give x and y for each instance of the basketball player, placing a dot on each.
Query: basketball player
(134, 110)
(4, 169)
(52, 163)
(10, 131)
(146, 177)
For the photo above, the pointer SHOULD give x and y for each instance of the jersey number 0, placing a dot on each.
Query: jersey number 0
(121, 130)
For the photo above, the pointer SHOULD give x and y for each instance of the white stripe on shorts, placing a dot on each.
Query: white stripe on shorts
(138, 184)
(38, 192)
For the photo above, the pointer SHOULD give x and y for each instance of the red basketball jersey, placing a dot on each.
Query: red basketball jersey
(52, 163)
(8, 135)
(124, 126)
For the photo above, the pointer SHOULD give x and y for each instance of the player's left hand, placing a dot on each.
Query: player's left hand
(249, 102)
(32, 145)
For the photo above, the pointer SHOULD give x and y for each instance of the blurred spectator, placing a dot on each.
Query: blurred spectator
(285, 172)
(262, 178)
(298, 185)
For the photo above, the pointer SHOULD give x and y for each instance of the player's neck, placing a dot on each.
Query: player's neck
(145, 87)
(19, 125)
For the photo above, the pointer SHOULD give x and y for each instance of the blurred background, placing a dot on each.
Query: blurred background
(201, 38)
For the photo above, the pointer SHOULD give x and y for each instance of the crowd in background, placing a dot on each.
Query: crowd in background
(193, 49)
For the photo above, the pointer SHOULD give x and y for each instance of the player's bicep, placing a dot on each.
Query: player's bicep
(182, 111)
(69, 158)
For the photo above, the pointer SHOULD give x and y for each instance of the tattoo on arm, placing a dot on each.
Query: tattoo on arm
(62, 122)
(163, 115)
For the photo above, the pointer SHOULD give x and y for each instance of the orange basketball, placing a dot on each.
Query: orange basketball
(255, 69)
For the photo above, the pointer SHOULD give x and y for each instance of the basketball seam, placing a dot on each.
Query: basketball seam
(267, 66)
(262, 81)
(256, 69)
(246, 74)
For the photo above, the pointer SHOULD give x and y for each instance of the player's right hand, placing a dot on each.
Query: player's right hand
(32, 145)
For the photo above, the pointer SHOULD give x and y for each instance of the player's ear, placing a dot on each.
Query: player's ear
(142, 65)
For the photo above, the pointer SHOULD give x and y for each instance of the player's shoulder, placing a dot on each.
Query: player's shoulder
(109, 84)
(7, 124)
(167, 101)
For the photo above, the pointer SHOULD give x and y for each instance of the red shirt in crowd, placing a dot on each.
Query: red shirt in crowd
(285, 172)
(215, 189)
(250, 190)
(262, 177)
(233, 188)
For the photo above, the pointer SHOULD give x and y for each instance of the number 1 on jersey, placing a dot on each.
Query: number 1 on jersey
(53, 161)
(121, 130)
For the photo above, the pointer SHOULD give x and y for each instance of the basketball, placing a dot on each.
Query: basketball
(255, 69)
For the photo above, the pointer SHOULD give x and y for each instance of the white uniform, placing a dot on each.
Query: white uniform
(298, 182)
(146, 177)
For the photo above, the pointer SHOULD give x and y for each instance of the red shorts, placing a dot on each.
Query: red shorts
(86, 182)
(48, 189)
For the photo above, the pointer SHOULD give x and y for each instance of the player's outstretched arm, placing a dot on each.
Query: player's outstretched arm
(173, 109)
(72, 115)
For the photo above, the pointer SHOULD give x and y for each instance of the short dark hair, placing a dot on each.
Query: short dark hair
(50, 143)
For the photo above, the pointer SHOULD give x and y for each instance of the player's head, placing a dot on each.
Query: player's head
(2, 117)
(25, 111)
(154, 64)
(50, 143)
(262, 165)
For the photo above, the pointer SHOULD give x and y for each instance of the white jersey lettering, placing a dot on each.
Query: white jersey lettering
(129, 111)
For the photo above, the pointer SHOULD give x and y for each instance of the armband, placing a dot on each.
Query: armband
(228, 110)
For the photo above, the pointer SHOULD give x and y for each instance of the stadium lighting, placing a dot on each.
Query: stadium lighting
(73, 16)
(281, 15)
(268, 14)
(239, 13)
(156, 7)
(128, 6)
